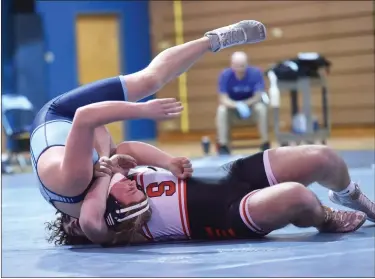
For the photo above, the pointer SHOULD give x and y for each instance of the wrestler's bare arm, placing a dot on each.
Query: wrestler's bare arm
(94, 115)
(91, 217)
(145, 154)
(103, 144)
(148, 155)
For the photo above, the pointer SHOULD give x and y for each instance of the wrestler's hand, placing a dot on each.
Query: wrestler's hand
(181, 167)
(162, 109)
(121, 163)
(103, 167)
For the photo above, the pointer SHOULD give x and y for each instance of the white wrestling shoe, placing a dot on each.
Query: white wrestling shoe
(357, 201)
(241, 33)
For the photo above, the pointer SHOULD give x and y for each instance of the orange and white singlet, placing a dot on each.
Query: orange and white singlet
(204, 207)
(167, 198)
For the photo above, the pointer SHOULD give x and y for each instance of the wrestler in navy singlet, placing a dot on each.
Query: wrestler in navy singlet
(54, 121)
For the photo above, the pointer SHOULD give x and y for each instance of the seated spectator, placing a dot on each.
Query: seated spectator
(241, 94)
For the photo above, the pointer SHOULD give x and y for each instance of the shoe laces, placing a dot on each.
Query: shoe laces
(233, 35)
(339, 215)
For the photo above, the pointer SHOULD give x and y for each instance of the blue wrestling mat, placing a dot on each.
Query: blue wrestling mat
(289, 252)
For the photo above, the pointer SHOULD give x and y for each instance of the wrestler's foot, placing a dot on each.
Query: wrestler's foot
(357, 201)
(341, 221)
(244, 32)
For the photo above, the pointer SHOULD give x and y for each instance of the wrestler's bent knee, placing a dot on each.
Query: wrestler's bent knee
(298, 197)
(322, 157)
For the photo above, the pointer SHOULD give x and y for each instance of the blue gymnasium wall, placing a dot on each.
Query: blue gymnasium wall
(7, 80)
(59, 26)
(8, 85)
(23, 66)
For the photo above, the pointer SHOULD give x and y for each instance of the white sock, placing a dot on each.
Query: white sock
(348, 190)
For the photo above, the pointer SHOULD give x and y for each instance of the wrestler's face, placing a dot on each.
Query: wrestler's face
(71, 226)
(127, 192)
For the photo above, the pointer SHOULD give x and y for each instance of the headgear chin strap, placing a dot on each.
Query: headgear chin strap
(116, 212)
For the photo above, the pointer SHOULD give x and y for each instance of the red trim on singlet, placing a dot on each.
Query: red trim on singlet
(245, 213)
(142, 232)
(143, 186)
(186, 208)
(180, 206)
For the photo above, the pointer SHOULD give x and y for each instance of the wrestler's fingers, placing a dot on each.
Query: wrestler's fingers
(188, 170)
(125, 159)
(186, 174)
(102, 165)
(185, 160)
(181, 175)
(171, 105)
(105, 169)
(175, 109)
(171, 115)
(106, 161)
(167, 101)
(128, 164)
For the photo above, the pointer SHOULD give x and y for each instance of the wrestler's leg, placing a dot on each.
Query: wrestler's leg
(317, 163)
(275, 207)
(307, 164)
(176, 60)
(166, 66)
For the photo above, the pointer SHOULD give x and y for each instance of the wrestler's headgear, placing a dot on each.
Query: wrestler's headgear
(116, 212)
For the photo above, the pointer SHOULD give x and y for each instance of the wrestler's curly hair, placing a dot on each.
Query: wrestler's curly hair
(128, 231)
(59, 236)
